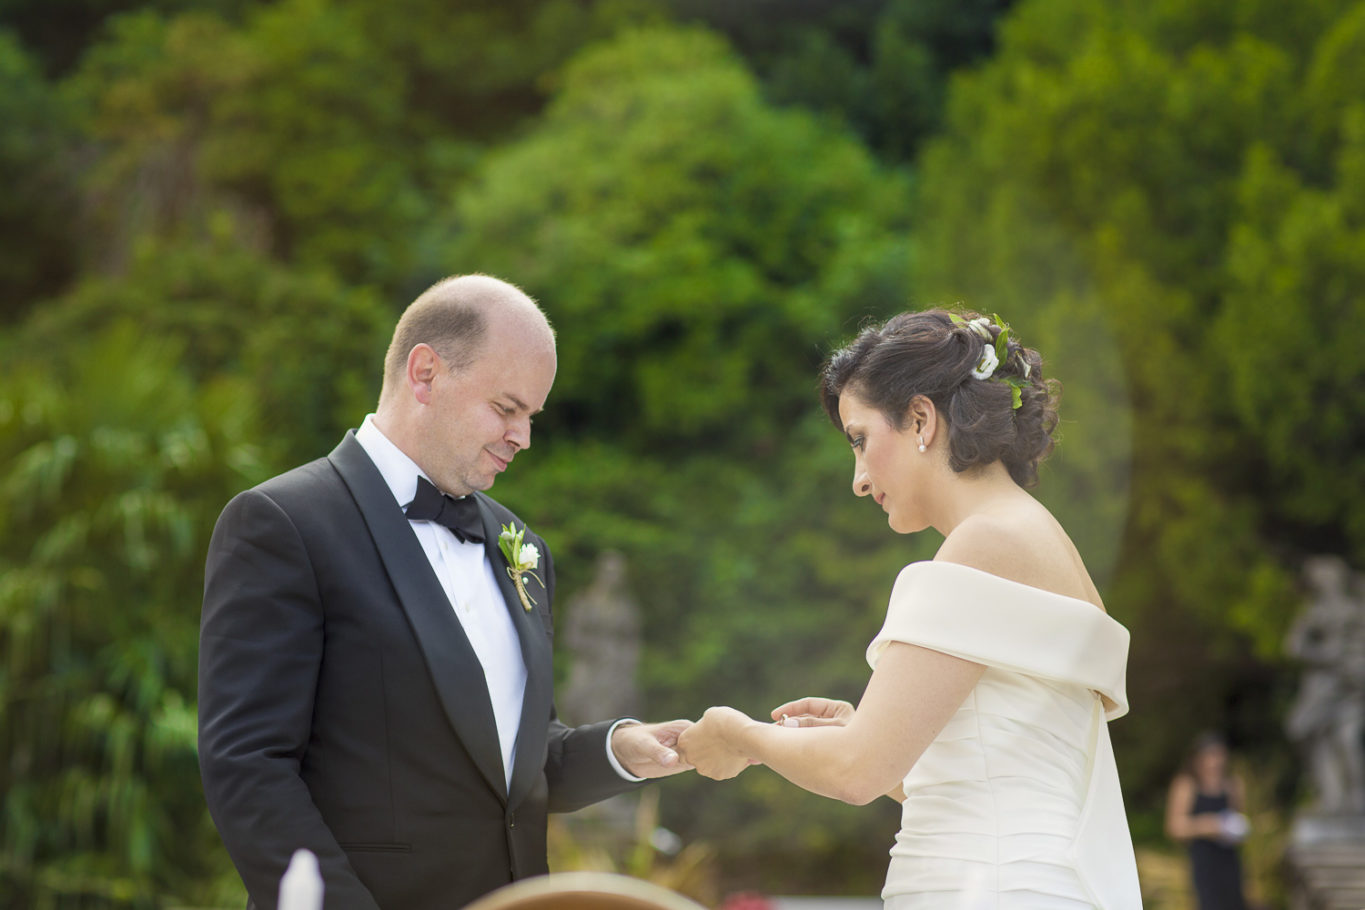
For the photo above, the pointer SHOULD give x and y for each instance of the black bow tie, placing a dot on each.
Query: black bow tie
(460, 515)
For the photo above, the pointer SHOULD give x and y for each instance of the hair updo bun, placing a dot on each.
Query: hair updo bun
(934, 354)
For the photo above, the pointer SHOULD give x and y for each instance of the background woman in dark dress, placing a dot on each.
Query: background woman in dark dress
(1204, 809)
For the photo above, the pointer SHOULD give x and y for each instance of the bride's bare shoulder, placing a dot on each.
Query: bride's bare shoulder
(1022, 549)
(1000, 546)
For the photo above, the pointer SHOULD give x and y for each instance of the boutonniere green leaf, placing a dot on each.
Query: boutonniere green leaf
(522, 559)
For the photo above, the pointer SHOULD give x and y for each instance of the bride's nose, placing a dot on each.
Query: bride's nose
(861, 485)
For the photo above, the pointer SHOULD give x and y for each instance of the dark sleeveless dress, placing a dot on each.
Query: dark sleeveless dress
(1217, 866)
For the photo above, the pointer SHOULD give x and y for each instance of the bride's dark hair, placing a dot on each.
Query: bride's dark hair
(930, 354)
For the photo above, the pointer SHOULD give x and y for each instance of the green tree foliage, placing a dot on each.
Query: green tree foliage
(316, 139)
(307, 344)
(36, 209)
(480, 70)
(291, 124)
(115, 466)
(879, 66)
(917, 45)
(1296, 263)
(691, 236)
(328, 129)
(698, 251)
(59, 35)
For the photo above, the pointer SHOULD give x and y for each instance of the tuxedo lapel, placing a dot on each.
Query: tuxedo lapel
(454, 667)
(537, 654)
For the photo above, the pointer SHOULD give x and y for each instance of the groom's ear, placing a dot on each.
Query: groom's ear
(423, 365)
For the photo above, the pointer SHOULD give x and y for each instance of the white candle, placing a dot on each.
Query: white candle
(301, 886)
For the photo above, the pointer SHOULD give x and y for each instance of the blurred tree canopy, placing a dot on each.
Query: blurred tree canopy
(215, 212)
(115, 464)
(39, 200)
(879, 66)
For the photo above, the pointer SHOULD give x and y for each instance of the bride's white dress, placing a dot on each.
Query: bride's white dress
(1016, 804)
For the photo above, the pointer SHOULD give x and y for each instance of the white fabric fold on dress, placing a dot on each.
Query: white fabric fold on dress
(1016, 804)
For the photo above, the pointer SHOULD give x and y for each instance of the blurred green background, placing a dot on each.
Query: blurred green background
(213, 211)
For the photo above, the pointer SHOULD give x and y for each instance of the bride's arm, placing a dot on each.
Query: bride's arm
(814, 711)
(911, 696)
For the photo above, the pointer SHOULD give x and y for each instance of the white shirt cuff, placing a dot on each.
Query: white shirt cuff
(611, 756)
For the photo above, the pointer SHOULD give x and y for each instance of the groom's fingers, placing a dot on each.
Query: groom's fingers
(659, 754)
(669, 731)
(664, 746)
(650, 750)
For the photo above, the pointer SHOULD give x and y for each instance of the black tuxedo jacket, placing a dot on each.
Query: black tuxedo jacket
(342, 709)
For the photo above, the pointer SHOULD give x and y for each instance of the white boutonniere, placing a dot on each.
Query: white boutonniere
(521, 558)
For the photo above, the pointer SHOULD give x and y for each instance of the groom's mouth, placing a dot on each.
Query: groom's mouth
(499, 463)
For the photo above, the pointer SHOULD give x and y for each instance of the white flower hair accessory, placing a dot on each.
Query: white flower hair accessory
(993, 353)
(981, 326)
(985, 367)
(521, 558)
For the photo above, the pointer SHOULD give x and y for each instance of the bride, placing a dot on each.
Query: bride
(997, 667)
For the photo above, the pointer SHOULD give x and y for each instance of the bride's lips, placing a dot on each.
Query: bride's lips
(881, 500)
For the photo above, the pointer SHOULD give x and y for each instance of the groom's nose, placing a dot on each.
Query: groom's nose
(519, 434)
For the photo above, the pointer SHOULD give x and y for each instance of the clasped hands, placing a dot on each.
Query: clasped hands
(714, 745)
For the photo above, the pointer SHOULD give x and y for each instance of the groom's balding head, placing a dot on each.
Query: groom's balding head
(455, 317)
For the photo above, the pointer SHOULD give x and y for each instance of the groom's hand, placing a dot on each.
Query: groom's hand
(814, 712)
(650, 750)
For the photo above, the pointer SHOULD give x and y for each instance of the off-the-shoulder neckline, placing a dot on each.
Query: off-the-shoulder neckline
(1010, 581)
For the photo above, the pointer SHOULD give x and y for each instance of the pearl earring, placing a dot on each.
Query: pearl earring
(922, 446)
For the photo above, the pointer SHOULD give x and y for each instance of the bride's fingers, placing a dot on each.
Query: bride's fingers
(811, 705)
(810, 720)
(799, 706)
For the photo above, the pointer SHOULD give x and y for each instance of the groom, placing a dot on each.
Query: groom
(375, 681)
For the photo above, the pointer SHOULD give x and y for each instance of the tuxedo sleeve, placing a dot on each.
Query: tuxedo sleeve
(260, 647)
(577, 769)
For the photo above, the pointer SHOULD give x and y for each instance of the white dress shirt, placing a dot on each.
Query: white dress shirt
(467, 578)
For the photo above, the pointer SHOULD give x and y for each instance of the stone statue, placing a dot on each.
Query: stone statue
(602, 631)
(1327, 718)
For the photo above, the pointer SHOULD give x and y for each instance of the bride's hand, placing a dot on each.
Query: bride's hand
(814, 712)
(706, 746)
